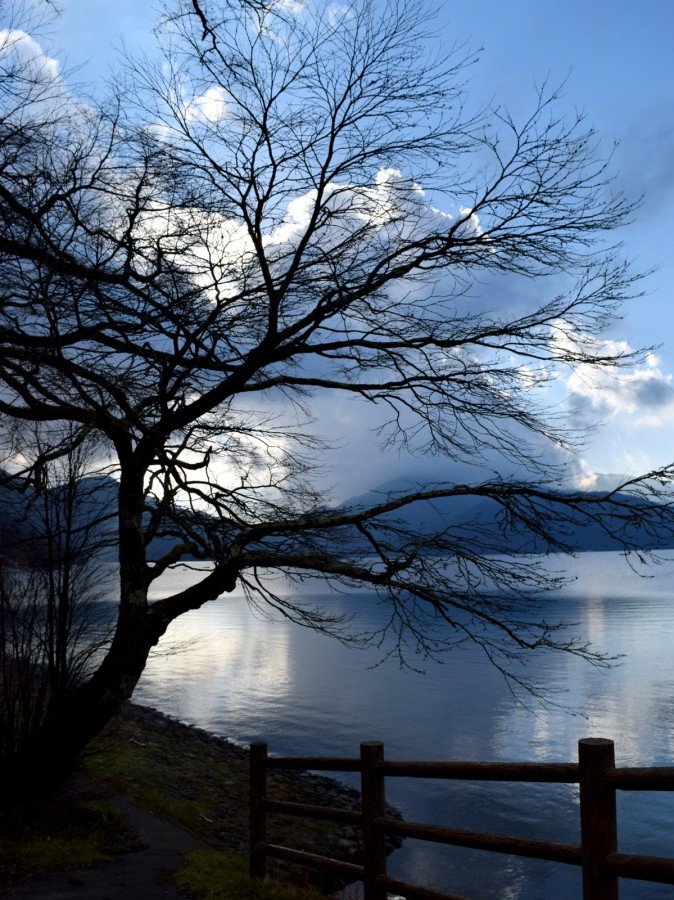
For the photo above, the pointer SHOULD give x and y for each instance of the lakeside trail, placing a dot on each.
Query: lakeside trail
(142, 874)
(180, 789)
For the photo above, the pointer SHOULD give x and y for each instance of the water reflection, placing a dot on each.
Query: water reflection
(250, 679)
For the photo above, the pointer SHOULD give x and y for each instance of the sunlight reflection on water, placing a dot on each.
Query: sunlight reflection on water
(252, 679)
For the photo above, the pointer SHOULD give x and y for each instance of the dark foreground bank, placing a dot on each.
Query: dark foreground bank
(202, 781)
(197, 782)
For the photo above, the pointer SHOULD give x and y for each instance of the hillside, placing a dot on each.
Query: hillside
(478, 521)
(483, 520)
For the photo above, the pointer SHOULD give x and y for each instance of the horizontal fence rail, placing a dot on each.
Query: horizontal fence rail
(597, 853)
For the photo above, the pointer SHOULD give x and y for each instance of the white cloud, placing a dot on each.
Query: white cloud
(211, 106)
(472, 221)
(339, 13)
(644, 392)
(567, 340)
(393, 202)
(587, 479)
(393, 208)
(293, 6)
(217, 259)
(269, 18)
(29, 54)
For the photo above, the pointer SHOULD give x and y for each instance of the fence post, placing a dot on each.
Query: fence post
(373, 801)
(598, 820)
(258, 814)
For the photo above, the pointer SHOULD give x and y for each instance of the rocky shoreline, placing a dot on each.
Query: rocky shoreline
(210, 773)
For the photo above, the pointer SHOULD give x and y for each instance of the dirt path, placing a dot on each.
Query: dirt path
(144, 874)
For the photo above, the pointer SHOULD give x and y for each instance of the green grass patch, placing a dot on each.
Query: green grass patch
(183, 775)
(172, 773)
(219, 875)
(66, 835)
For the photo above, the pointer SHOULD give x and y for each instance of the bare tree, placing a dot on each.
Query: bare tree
(296, 201)
(54, 621)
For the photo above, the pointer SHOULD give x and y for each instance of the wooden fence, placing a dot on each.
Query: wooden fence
(597, 853)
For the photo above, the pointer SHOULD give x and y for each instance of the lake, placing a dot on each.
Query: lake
(247, 678)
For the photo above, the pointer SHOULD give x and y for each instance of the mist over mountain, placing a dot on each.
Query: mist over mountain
(94, 518)
(471, 519)
(484, 518)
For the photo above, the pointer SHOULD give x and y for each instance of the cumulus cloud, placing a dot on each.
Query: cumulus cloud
(24, 51)
(355, 218)
(471, 221)
(586, 479)
(646, 392)
(211, 106)
(395, 206)
(219, 257)
(224, 253)
(34, 89)
(267, 14)
(643, 391)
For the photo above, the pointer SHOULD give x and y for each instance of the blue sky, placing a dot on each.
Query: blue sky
(617, 62)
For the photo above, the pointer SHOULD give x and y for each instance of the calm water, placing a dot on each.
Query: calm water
(248, 679)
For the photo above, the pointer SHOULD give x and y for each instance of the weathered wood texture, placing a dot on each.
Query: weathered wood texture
(598, 818)
(595, 772)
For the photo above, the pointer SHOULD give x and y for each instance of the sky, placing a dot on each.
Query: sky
(616, 62)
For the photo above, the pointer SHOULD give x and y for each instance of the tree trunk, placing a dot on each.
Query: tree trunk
(52, 752)
(76, 716)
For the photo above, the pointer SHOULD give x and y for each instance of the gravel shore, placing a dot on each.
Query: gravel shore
(206, 777)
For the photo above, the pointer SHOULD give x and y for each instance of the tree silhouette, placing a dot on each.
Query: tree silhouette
(296, 202)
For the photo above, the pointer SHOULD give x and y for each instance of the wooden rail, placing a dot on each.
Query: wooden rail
(596, 853)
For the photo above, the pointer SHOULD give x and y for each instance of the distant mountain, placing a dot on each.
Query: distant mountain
(25, 510)
(484, 520)
(95, 516)
(476, 521)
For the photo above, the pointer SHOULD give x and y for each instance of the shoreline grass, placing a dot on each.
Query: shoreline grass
(182, 774)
